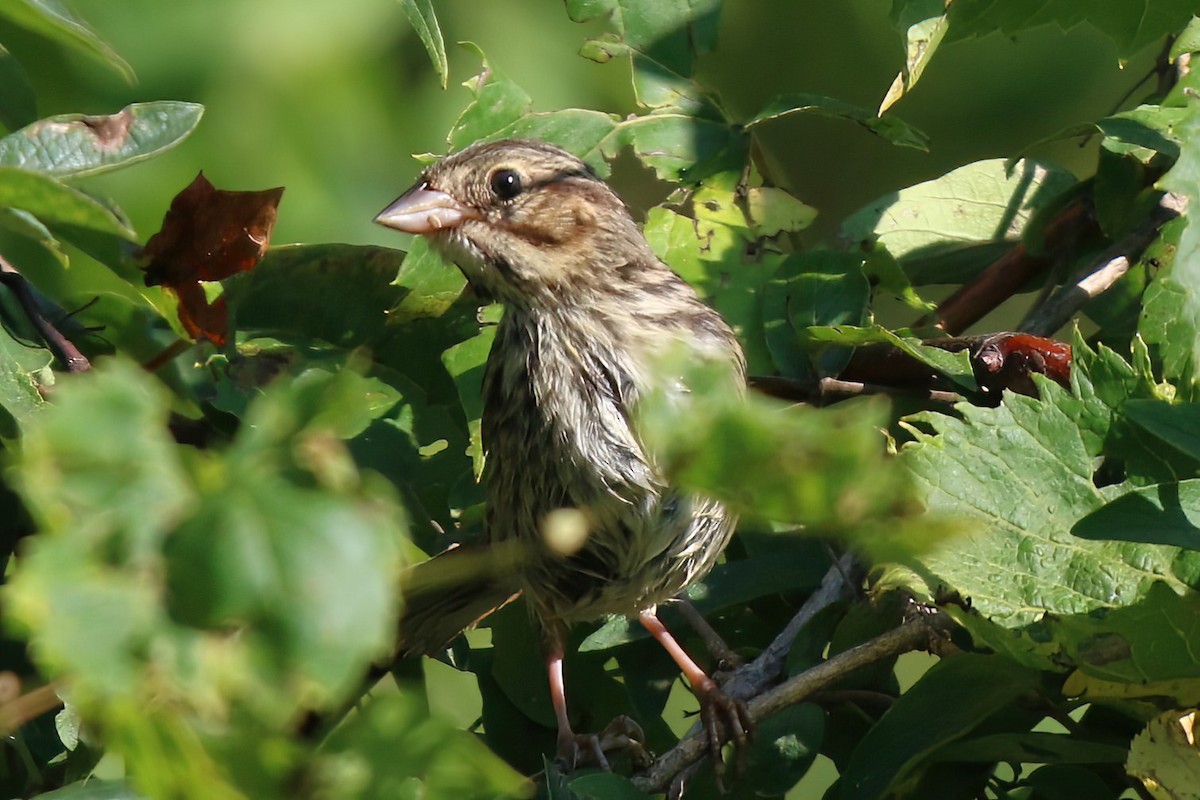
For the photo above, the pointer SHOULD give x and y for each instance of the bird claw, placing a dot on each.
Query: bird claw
(590, 749)
(724, 719)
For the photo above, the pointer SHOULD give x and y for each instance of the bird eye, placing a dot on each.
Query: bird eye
(506, 184)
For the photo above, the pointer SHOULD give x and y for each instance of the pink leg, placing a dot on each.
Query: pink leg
(577, 749)
(724, 719)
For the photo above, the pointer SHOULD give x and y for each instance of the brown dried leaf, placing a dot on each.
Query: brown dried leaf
(209, 234)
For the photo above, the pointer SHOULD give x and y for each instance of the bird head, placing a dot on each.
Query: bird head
(526, 221)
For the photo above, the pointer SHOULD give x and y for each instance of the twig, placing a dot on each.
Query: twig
(28, 706)
(166, 355)
(59, 345)
(1103, 272)
(911, 635)
(1005, 276)
(752, 678)
(713, 642)
(828, 389)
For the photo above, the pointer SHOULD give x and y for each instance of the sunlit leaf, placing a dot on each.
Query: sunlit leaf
(76, 144)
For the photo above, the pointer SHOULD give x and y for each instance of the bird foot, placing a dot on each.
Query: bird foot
(724, 719)
(590, 750)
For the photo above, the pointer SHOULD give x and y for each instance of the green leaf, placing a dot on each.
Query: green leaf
(1188, 40)
(392, 749)
(817, 287)
(823, 467)
(289, 290)
(1170, 322)
(421, 16)
(923, 24)
(93, 789)
(1131, 26)
(785, 746)
(889, 128)
(577, 130)
(1068, 782)
(966, 689)
(1164, 514)
(466, 362)
(984, 202)
(104, 445)
(1031, 748)
(670, 32)
(73, 145)
(427, 286)
(676, 146)
(18, 106)
(954, 365)
(1173, 425)
(605, 786)
(24, 369)
(1184, 178)
(774, 211)
(1021, 474)
(497, 104)
(52, 201)
(51, 19)
(1164, 758)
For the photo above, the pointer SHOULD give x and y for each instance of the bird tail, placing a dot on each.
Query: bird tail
(448, 594)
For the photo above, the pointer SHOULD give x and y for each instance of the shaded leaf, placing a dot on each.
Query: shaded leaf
(18, 106)
(889, 128)
(978, 203)
(818, 287)
(52, 201)
(1163, 514)
(393, 749)
(1173, 425)
(93, 790)
(1032, 748)
(73, 145)
(966, 689)
(52, 20)
(670, 32)
(1131, 26)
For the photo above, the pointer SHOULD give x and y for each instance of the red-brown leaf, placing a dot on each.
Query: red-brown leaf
(209, 234)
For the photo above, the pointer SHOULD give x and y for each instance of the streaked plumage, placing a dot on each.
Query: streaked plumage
(589, 309)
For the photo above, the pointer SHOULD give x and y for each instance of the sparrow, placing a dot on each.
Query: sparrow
(589, 310)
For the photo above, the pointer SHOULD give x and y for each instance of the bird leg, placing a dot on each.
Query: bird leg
(588, 749)
(724, 718)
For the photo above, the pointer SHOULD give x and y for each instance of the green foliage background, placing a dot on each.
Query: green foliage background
(203, 561)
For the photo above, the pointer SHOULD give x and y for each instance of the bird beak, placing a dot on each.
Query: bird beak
(422, 210)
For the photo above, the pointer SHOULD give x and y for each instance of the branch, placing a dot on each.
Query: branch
(828, 390)
(28, 706)
(59, 345)
(840, 583)
(911, 635)
(1099, 276)
(1005, 276)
